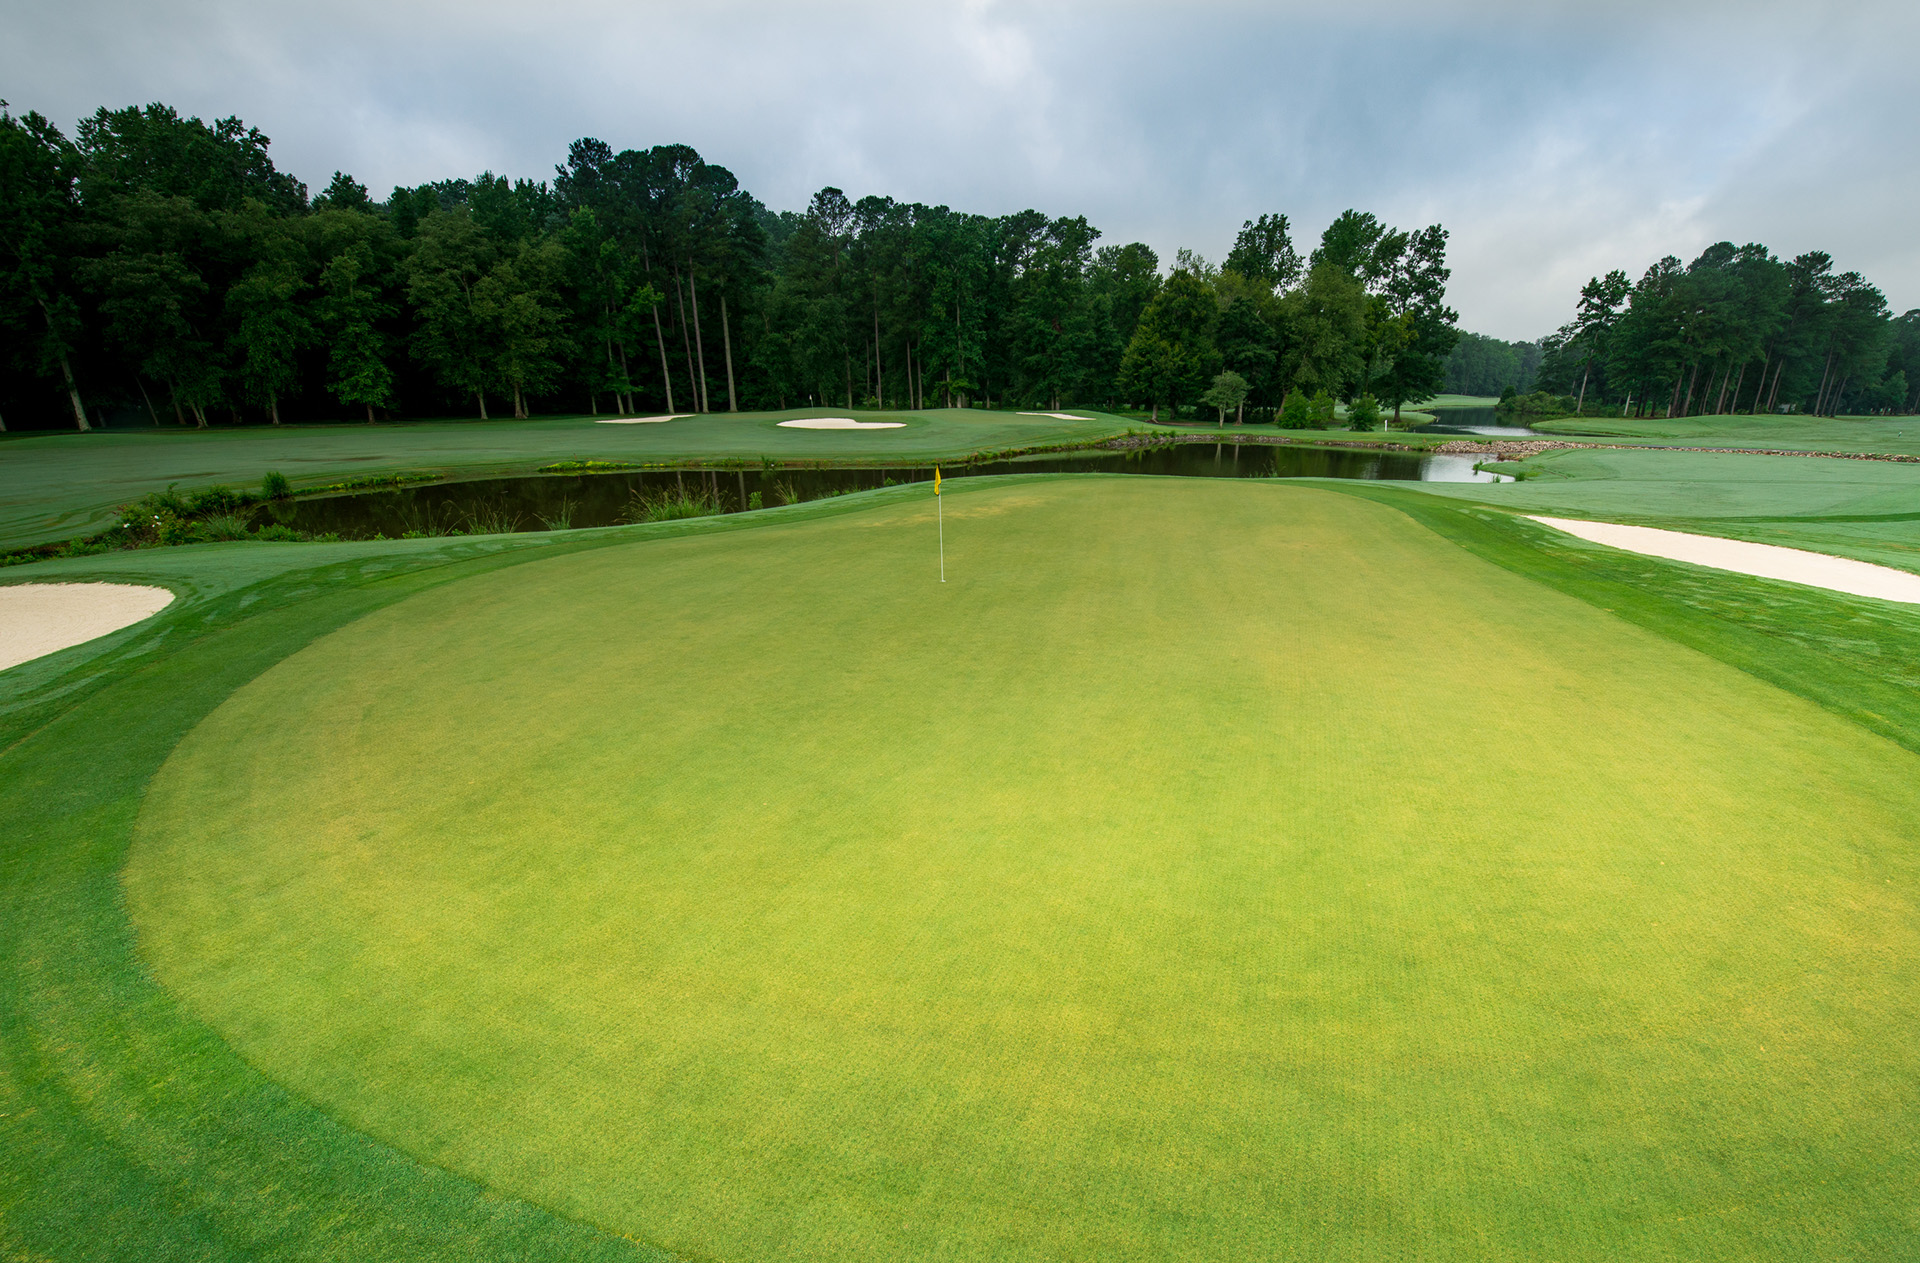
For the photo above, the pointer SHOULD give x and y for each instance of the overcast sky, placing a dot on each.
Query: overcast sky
(1555, 140)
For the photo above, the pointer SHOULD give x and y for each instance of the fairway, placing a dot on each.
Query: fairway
(1208, 869)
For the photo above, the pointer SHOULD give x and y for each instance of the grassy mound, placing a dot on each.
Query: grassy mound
(1208, 869)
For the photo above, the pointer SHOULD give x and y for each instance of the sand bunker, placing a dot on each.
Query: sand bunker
(1058, 416)
(38, 618)
(840, 423)
(642, 420)
(1765, 561)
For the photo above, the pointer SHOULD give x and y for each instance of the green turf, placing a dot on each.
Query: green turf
(127, 1128)
(55, 487)
(1864, 509)
(1209, 870)
(1791, 433)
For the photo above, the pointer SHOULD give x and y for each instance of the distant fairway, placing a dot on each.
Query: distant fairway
(56, 486)
(1208, 870)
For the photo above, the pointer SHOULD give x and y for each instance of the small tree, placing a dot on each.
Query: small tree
(1320, 410)
(1296, 413)
(1229, 390)
(1364, 413)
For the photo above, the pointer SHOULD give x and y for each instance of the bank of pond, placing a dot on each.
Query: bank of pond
(566, 500)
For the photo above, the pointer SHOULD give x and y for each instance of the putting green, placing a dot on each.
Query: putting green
(1209, 869)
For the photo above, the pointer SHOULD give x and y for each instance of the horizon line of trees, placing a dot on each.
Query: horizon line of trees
(1737, 330)
(156, 267)
(1481, 365)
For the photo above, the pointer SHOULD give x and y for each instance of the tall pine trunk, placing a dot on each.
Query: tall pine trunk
(66, 369)
(660, 338)
(273, 406)
(1820, 396)
(879, 373)
(606, 344)
(686, 339)
(1693, 379)
(155, 416)
(480, 397)
(699, 343)
(726, 343)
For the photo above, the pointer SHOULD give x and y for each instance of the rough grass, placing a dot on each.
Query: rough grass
(1206, 870)
(1826, 434)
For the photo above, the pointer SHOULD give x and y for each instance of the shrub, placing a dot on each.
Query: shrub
(275, 486)
(670, 506)
(1296, 413)
(1320, 409)
(1363, 413)
(223, 526)
(492, 521)
(275, 531)
(1541, 403)
(215, 501)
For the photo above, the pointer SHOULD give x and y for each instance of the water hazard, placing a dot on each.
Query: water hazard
(1485, 422)
(561, 501)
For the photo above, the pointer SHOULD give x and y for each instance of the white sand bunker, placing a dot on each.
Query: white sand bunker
(1057, 416)
(841, 423)
(38, 618)
(1765, 561)
(643, 420)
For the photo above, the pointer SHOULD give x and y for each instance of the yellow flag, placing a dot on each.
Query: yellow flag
(936, 480)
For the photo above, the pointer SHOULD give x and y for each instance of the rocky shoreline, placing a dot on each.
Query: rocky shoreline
(1497, 448)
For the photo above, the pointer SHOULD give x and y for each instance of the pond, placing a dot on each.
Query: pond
(560, 501)
(1486, 422)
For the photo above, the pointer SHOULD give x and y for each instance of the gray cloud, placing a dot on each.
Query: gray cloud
(1555, 141)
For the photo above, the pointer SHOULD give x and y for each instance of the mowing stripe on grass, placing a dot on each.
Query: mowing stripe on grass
(1207, 870)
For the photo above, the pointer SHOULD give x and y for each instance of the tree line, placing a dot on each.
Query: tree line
(156, 267)
(1735, 331)
(1481, 365)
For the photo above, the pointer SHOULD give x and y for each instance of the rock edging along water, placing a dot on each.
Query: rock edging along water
(1534, 447)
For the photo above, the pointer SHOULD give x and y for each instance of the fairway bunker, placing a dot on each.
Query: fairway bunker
(678, 416)
(37, 619)
(1762, 561)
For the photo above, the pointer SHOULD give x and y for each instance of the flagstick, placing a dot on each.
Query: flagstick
(940, 513)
